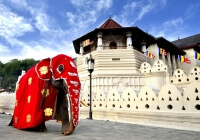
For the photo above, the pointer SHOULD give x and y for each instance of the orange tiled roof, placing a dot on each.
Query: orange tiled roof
(110, 23)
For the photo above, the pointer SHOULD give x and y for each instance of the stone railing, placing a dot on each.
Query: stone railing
(178, 78)
(170, 107)
(170, 98)
(158, 66)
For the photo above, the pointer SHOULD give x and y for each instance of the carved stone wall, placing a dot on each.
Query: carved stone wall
(178, 78)
(170, 98)
(181, 79)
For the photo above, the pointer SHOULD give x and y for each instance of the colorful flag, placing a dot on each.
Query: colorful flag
(152, 56)
(183, 59)
(197, 55)
(149, 54)
(187, 60)
(162, 51)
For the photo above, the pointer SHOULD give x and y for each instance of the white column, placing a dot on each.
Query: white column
(174, 62)
(163, 58)
(179, 63)
(81, 49)
(99, 41)
(129, 41)
(144, 48)
(169, 62)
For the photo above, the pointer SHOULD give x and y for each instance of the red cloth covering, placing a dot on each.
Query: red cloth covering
(27, 112)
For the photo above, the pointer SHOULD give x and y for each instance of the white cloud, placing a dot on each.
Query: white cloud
(12, 25)
(173, 22)
(98, 5)
(135, 11)
(192, 11)
(103, 4)
(42, 22)
(37, 50)
(171, 29)
(87, 12)
(81, 3)
(3, 49)
(38, 15)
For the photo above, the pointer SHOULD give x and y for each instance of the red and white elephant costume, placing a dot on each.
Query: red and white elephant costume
(29, 92)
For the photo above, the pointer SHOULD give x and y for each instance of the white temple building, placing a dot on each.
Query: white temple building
(123, 56)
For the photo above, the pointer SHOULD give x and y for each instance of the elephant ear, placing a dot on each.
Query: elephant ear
(43, 69)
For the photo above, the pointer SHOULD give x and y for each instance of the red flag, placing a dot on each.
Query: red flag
(187, 60)
(152, 56)
(164, 52)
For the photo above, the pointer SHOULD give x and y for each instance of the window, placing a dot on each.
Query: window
(113, 45)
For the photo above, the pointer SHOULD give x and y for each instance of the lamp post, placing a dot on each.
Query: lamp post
(90, 70)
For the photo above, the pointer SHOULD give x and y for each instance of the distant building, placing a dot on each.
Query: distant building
(190, 45)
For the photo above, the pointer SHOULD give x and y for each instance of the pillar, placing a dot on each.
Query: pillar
(99, 41)
(144, 49)
(129, 41)
(174, 62)
(81, 49)
(169, 62)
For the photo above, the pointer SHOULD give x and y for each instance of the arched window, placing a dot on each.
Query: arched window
(113, 45)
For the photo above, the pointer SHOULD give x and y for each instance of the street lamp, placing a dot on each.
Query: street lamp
(90, 70)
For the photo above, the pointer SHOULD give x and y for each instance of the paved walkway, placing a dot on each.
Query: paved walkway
(96, 130)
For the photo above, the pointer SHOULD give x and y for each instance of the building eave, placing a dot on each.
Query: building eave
(169, 47)
(136, 33)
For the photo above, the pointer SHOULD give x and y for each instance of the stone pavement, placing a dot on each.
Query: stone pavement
(95, 130)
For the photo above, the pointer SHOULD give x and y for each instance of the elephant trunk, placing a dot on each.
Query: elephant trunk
(63, 114)
(70, 125)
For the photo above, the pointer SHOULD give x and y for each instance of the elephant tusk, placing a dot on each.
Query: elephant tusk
(83, 103)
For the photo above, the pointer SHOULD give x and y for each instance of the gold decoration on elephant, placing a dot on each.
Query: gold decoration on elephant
(29, 99)
(30, 81)
(43, 70)
(28, 118)
(16, 102)
(48, 112)
(47, 93)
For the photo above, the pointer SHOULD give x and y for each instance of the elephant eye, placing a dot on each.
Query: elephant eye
(60, 68)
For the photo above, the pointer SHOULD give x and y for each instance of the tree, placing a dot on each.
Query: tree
(9, 72)
(1, 76)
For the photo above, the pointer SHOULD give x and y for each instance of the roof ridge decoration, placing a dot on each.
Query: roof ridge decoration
(110, 23)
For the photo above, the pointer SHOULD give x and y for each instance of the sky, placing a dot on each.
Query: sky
(40, 29)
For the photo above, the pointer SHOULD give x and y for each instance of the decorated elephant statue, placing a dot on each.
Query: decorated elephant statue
(45, 92)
